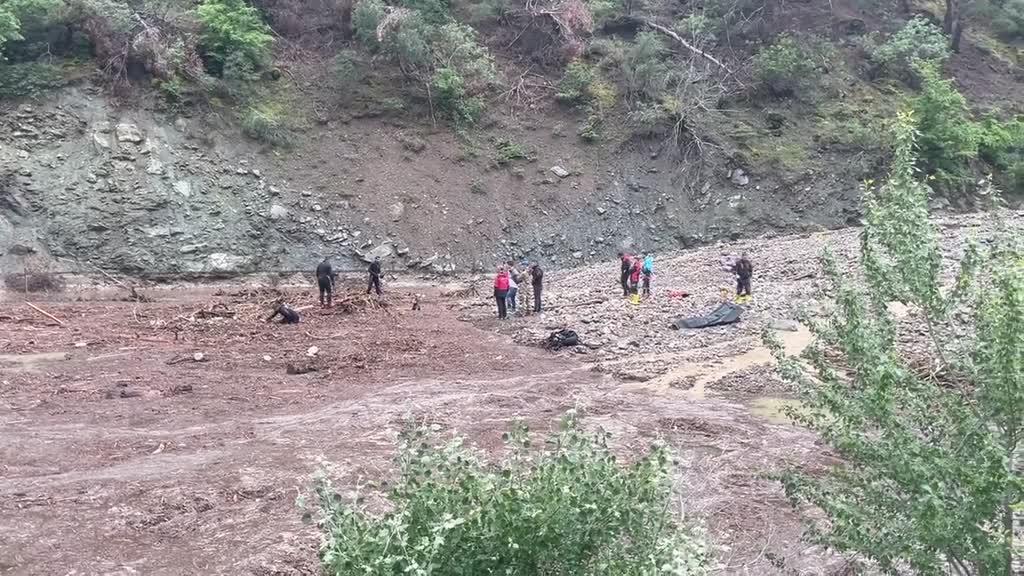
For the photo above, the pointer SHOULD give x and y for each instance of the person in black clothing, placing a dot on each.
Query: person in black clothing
(627, 264)
(374, 283)
(288, 316)
(538, 285)
(744, 270)
(325, 280)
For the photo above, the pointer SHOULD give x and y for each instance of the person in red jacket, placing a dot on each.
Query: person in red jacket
(501, 291)
(634, 276)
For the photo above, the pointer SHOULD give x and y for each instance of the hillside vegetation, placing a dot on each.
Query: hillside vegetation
(678, 123)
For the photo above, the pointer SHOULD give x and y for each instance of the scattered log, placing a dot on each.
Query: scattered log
(679, 39)
(44, 313)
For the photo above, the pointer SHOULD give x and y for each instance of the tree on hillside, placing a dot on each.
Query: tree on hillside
(926, 426)
(952, 24)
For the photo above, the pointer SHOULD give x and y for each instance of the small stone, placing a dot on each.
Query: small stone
(785, 325)
(128, 133)
(739, 177)
(154, 167)
(317, 208)
(559, 171)
(313, 351)
(183, 187)
(278, 212)
(198, 357)
(101, 141)
(397, 210)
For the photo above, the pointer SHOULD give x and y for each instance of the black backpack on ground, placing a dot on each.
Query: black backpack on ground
(561, 339)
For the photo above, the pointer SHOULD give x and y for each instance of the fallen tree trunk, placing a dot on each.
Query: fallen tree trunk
(679, 39)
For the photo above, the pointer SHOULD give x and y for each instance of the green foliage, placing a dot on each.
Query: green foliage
(1005, 17)
(583, 87)
(507, 151)
(949, 138)
(26, 21)
(233, 28)
(346, 69)
(600, 101)
(575, 83)
(568, 508)
(450, 98)
(478, 187)
(366, 16)
(918, 40)
(783, 67)
(267, 123)
(436, 12)
(26, 79)
(10, 27)
(926, 436)
(444, 57)
(645, 66)
(604, 11)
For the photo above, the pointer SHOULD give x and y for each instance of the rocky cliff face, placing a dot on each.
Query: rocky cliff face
(146, 192)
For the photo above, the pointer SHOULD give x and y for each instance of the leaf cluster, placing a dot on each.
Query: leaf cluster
(567, 507)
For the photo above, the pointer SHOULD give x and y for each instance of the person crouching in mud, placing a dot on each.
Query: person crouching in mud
(288, 316)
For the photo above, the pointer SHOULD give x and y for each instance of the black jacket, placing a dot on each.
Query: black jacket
(538, 276)
(324, 270)
(375, 269)
(744, 269)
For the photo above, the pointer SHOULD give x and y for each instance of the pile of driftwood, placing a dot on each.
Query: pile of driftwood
(353, 301)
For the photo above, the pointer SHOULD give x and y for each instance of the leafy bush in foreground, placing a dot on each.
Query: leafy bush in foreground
(567, 509)
(927, 435)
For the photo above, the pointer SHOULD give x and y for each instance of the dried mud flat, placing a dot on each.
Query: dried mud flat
(122, 454)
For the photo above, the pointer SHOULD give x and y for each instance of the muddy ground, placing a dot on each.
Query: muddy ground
(121, 454)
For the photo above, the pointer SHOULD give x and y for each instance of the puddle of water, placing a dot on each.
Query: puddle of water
(707, 372)
(28, 361)
(774, 409)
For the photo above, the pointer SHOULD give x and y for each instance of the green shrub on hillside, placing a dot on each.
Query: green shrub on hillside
(26, 79)
(451, 99)
(233, 28)
(783, 67)
(444, 57)
(645, 66)
(949, 137)
(566, 507)
(10, 27)
(267, 123)
(582, 86)
(28, 21)
(918, 40)
(572, 89)
(366, 16)
(1006, 17)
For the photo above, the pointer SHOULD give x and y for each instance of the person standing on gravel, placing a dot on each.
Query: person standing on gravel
(647, 270)
(538, 285)
(744, 270)
(634, 280)
(624, 276)
(325, 281)
(374, 282)
(523, 279)
(501, 291)
(513, 289)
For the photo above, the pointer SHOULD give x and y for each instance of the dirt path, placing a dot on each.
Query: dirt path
(113, 461)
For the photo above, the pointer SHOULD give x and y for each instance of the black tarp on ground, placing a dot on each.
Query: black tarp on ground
(727, 313)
